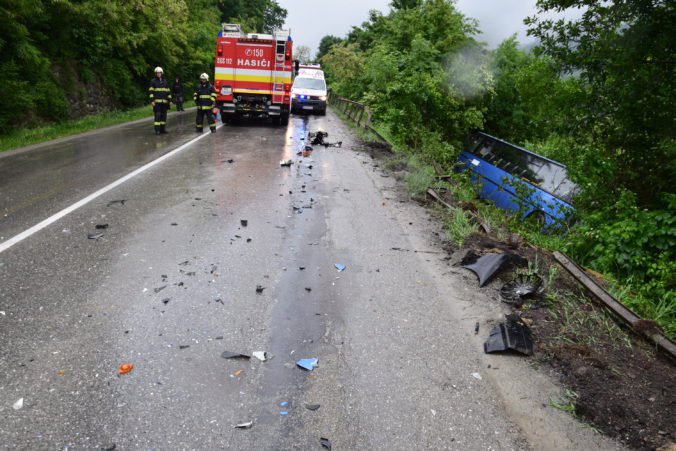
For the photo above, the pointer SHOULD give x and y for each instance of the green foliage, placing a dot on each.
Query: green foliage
(401, 65)
(325, 45)
(253, 15)
(57, 57)
(623, 53)
(459, 225)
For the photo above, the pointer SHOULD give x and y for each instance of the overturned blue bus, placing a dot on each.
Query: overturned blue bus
(519, 181)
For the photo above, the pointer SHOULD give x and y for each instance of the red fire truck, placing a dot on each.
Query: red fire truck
(253, 74)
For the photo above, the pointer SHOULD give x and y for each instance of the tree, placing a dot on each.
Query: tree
(253, 15)
(623, 52)
(325, 45)
(303, 54)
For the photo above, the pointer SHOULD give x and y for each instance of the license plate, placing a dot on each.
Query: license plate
(308, 108)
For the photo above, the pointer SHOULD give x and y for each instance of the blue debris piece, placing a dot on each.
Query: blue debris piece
(340, 267)
(283, 413)
(308, 364)
(284, 403)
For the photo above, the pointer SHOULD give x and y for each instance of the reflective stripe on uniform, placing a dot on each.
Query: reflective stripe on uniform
(157, 123)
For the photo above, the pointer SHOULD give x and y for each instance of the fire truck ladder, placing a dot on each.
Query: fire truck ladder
(277, 80)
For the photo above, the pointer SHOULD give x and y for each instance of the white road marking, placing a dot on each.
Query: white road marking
(66, 211)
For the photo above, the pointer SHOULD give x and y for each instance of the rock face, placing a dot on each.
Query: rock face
(84, 91)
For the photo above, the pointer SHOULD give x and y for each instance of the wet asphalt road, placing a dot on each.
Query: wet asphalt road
(171, 285)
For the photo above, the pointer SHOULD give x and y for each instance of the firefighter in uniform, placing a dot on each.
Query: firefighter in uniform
(205, 96)
(160, 96)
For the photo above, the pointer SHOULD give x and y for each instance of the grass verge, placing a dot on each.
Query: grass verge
(26, 136)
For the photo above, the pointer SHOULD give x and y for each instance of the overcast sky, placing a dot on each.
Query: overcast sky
(310, 20)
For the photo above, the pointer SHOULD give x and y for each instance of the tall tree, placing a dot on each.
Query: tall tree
(325, 45)
(623, 51)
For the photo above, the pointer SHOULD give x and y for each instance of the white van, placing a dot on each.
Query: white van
(308, 93)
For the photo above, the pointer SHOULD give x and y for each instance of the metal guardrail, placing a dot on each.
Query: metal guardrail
(355, 111)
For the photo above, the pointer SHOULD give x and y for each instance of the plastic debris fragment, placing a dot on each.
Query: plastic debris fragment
(234, 355)
(246, 425)
(125, 368)
(477, 376)
(18, 405)
(283, 413)
(95, 235)
(325, 442)
(244, 222)
(488, 265)
(259, 289)
(101, 226)
(286, 163)
(283, 403)
(260, 355)
(308, 364)
(512, 334)
(312, 407)
(340, 266)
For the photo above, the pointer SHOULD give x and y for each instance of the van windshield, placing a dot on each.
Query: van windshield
(310, 83)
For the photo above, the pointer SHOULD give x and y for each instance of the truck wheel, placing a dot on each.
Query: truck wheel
(284, 119)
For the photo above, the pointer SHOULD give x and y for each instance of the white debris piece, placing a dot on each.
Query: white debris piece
(18, 405)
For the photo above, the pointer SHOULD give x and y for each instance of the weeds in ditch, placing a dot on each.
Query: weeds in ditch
(566, 402)
(582, 323)
(459, 225)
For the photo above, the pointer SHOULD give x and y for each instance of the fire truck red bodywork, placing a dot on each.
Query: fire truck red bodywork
(253, 74)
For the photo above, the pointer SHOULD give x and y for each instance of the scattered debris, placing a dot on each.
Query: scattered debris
(157, 290)
(312, 407)
(308, 289)
(260, 355)
(95, 235)
(525, 286)
(228, 161)
(259, 289)
(238, 373)
(116, 202)
(512, 334)
(183, 346)
(283, 413)
(476, 328)
(286, 163)
(165, 301)
(101, 226)
(340, 267)
(244, 222)
(18, 405)
(325, 442)
(318, 140)
(174, 223)
(485, 267)
(246, 425)
(283, 403)
(234, 355)
(308, 364)
(125, 368)
(477, 376)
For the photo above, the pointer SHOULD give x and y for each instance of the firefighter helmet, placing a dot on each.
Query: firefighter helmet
(159, 69)
(204, 77)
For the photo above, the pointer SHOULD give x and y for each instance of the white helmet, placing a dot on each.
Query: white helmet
(159, 69)
(204, 77)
